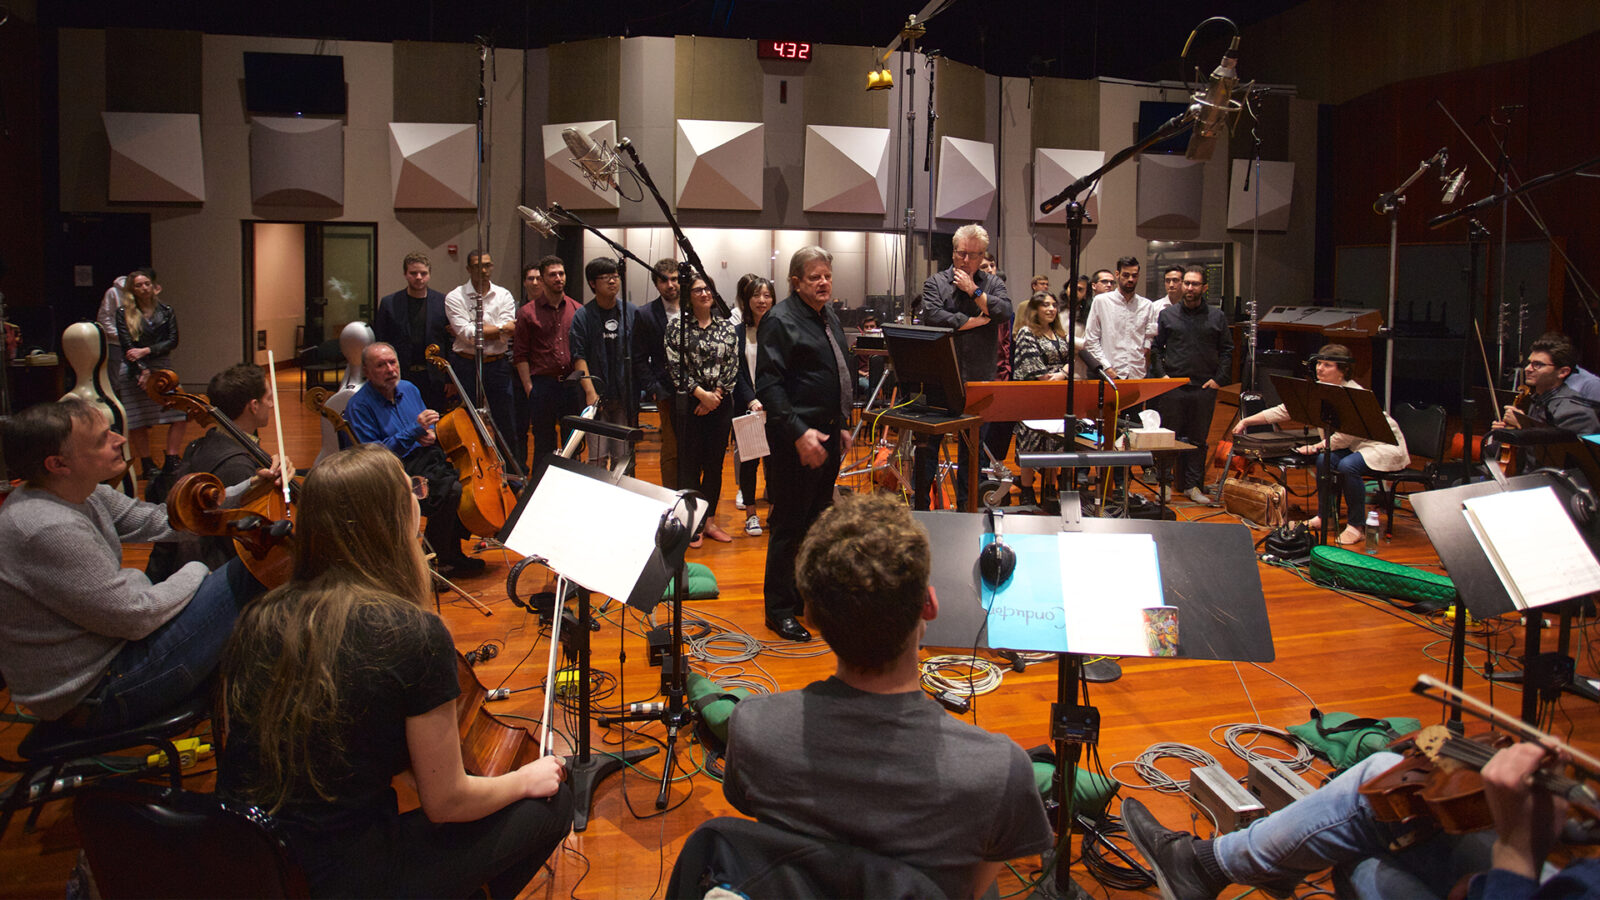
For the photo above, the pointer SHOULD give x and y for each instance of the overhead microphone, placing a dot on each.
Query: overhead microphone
(1453, 184)
(1215, 105)
(538, 220)
(598, 162)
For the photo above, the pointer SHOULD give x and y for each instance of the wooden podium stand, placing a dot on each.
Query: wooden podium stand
(1015, 401)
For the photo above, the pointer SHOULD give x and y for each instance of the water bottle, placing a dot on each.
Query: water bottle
(1374, 528)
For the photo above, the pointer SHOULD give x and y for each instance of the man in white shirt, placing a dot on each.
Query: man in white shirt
(1172, 280)
(1120, 325)
(499, 312)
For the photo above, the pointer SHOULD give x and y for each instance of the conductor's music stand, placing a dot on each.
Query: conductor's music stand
(1333, 408)
(1207, 572)
(646, 529)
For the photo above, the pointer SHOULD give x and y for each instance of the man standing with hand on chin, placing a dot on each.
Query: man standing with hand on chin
(807, 387)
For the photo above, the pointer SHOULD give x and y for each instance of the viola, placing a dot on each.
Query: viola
(87, 350)
(489, 745)
(261, 525)
(486, 500)
(1439, 781)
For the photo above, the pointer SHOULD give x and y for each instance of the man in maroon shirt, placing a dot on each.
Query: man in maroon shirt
(543, 359)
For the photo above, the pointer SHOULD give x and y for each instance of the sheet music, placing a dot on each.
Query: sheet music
(750, 435)
(1533, 545)
(1076, 593)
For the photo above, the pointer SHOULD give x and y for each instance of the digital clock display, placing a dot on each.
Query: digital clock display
(800, 50)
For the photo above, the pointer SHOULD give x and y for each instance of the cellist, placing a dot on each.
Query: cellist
(388, 410)
(83, 640)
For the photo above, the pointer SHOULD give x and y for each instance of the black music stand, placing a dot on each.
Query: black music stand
(1208, 572)
(1333, 408)
(573, 502)
(1479, 588)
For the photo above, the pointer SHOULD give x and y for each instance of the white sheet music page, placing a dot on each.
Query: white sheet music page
(1112, 578)
(1533, 545)
(750, 435)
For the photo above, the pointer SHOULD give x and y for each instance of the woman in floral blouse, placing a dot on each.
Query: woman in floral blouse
(1039, 353)
(707, 367)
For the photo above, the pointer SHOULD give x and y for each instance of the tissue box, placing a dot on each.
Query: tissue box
(1150, 438)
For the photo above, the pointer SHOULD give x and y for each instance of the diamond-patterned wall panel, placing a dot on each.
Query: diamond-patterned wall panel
(1053, 170)
(563, 180)
(1272, 190)
(847, 169)
(296, 162)
(720, 164)
(155, 157)
(1170, 189)
(433, 165)
(966, 179)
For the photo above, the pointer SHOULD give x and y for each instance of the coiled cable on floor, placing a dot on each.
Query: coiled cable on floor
(960, 674)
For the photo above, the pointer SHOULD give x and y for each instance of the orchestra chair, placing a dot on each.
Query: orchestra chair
(1423, 427)
(758, 861)
(321, 365)
(150, 840)
(51, 746)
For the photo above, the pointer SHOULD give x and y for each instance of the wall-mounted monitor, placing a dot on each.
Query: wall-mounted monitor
(294, 84)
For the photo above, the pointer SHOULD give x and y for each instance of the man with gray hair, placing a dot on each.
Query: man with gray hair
(974, 303)
(806, 387)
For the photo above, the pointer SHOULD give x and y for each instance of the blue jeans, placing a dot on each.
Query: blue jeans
(1335, 827)
(172, 663)
(1352, 472)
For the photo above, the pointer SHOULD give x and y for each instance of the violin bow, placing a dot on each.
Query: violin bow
(1448, 694)
(277, 423)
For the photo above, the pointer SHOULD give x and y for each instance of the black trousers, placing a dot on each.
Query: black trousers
(549, 400)
(799, 495)
(926, 459)
(702, 446)
(408, 856)
(443, 531)
(1187, 410)
(747, 480)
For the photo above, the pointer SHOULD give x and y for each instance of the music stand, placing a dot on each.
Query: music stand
(1333, 408)
(1479, 588)
(635, 562)
(1208, 573)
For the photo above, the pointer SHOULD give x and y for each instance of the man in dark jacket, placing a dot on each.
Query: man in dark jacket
(409, 320)
(1192, 341)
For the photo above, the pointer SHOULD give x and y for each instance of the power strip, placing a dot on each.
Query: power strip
(190, 751)
(1275, 784)
(1231, 806)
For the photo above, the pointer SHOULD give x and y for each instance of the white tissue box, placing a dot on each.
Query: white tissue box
(1150, 438)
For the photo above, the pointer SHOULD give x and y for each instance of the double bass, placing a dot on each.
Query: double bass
(261, 525)
(486, 499)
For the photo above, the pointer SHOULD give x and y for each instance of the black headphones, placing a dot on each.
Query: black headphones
(1582, 503)
(672, 536)
(997, 561)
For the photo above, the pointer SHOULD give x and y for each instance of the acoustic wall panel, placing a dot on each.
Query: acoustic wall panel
(433, 165)
(1054, 169)
(847, 169)
(720, 164)
(1266, 203)
(155, 158)
(563, 180)
(967, 183)
(296, 162)
(1170, 190)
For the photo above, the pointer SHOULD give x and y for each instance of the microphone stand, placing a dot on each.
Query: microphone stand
(1389, 205)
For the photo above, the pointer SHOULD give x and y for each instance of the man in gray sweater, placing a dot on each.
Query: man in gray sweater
(82, 639)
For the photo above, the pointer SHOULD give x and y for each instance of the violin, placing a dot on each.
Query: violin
(1439, 780)
(261, 525)
(489, 744)
(486, 500)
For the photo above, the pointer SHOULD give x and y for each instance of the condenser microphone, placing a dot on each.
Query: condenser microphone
(1215, 104)
(538, 220)
(1453, 185)
(599, 164)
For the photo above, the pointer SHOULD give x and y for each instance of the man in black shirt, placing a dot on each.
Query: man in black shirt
(806, 386)
(652, 349)
(600, 337)
(1192, 341)
(411, 319)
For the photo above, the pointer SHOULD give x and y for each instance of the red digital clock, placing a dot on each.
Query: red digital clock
(800, 50)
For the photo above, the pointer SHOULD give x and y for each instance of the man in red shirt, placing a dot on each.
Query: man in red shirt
(543, 359)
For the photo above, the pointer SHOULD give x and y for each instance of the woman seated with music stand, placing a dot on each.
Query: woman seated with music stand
(341, 679)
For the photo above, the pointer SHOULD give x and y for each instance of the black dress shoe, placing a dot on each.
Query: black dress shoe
(1169, 853)
(790, 629)
(461, 568)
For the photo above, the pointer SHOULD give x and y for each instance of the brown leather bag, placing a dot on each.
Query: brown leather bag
(1265, 505)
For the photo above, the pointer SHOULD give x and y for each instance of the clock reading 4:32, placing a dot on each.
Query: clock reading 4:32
(800, 50)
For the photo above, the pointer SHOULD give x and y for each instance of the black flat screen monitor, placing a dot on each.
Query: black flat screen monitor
(294, 84)
(924, 361)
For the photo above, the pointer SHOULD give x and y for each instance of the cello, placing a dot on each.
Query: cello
(486, 500)
(316, 400)
(261, 525)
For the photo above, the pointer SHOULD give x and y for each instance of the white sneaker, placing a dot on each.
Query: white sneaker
(738, 499)
(1198, 496)
(752, 526)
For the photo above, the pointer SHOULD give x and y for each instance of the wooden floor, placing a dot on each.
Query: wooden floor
(1339, 652)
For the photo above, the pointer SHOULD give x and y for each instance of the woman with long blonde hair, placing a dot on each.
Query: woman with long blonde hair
(338, 681)
(147, 331)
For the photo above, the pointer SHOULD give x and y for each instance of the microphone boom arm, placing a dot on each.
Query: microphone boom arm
(1171, 128)
(689, 253)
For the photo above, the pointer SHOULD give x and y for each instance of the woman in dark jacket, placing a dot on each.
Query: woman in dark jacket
(148, 333)
(755, 299)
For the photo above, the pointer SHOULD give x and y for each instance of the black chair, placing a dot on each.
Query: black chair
(1423, 427)
(146, 840)
(322, 365)
(51, 747)
(758, 861)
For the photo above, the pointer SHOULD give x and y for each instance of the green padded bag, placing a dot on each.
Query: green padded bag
(1338, 567)
(1345, 739)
